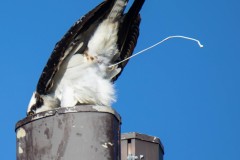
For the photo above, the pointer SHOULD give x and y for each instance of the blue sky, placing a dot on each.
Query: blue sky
(186, 95)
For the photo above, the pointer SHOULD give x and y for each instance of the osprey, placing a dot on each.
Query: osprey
(78, 70)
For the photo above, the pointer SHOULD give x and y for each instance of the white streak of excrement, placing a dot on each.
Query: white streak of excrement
(144, 50)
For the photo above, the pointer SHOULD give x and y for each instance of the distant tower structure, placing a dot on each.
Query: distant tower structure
(136, 146)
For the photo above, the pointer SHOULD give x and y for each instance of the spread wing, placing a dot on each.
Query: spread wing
(128, 34)
(76, 39)
(78, 33)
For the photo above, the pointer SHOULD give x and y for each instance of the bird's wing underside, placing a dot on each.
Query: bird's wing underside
(80, 32)
(128, 34)
(70, 42)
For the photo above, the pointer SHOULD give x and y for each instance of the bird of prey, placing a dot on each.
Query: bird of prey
(78, 71)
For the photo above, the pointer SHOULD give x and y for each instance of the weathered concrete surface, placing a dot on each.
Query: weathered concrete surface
(78, 133)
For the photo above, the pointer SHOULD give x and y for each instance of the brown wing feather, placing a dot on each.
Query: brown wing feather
(59, 52)
(128, 46)
(128, 34)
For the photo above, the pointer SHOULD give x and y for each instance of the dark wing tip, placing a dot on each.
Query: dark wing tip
(128, 34)
(129, 45)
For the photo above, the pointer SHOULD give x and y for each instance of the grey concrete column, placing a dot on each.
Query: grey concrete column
(83, 132)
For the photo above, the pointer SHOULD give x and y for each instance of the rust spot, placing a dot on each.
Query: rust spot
(46, 132)
(79, 134)
(59, 124)
(66, 135)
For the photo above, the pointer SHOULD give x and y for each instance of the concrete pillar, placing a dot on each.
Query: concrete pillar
(83, 132)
